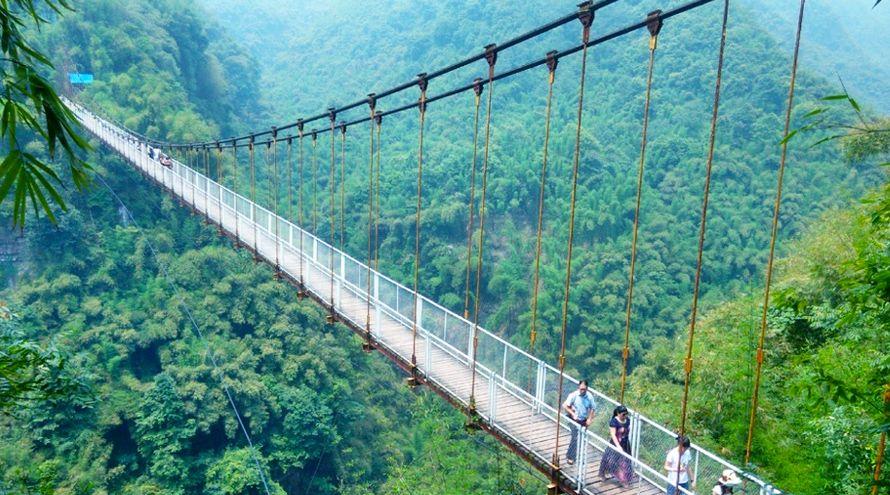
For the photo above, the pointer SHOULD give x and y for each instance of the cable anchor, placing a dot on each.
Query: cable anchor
(372, 102)
(477, 88)
(422, 83)
(491, 56)
(586, 15)
(653, 24)
(552, 62)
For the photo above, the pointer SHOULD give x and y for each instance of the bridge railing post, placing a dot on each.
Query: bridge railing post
(470, 348)
(583, 440)
(418, 308)
(377, 320)
(492, 397)
(445, 328)
(635, 440)
(428, 359)
(340, 278)
(539, 386)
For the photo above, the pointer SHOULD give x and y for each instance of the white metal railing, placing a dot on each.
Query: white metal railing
(505, 367)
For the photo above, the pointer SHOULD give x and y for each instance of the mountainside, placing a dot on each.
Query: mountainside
(120, 302)
(849, 40)
(327, 418)
(826, 365)
(158, 68)
(323, 55)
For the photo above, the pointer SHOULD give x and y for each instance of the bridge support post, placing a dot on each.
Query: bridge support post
(368, 344)
(413, 380)
(473, 422)
(553, 487)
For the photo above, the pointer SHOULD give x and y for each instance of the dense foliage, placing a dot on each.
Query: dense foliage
(320, 411)
(747, 156)
(826, 364)
(162, 423)
(154, 418)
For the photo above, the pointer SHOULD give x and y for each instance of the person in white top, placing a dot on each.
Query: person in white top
(677, 466)
(580, 408)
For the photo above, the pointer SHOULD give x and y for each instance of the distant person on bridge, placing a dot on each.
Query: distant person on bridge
(613, 463)
(677, 466)
(580, 407)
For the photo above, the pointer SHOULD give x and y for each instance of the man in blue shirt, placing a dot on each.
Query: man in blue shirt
(580, 408)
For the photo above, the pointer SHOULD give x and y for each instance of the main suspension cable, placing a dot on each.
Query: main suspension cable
(590, 5)
(430, 99)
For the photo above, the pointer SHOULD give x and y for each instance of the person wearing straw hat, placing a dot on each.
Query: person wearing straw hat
(726, 483)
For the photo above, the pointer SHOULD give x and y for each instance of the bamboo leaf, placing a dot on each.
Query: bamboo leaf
(813, 113)
(788, 137)
(39, 200)
(10, 170)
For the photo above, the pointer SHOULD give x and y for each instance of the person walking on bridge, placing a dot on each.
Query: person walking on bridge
(580, 408)
(677, 466)
(613, 463)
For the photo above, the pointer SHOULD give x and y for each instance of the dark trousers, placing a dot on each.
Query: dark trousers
(575, 427)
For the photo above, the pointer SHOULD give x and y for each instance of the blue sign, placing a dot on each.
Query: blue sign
(78, 78)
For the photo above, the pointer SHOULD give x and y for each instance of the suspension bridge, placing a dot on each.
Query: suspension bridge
(503, 389)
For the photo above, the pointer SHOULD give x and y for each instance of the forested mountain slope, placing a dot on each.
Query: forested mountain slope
(159, 68)
(329, 419)
(849, 40)
(826, 365)
(325, 417)
(323, 54)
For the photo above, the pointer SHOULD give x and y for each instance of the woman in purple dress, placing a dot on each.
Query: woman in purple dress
(613, 462)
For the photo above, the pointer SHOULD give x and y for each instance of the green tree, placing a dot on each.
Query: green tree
(163, 431)
(30, 372)
(236, 474)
